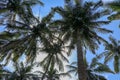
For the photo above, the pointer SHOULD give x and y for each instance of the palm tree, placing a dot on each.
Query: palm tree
(112, 52)
(115, 6)
(22, 72)
(22, 38)
(17, 9)
(79, 26)
(53, 74)
(55, 56)
(94, 69)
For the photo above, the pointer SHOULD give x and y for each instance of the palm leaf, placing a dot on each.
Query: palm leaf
(116, 64)
(114, 16)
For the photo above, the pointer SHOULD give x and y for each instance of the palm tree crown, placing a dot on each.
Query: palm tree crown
(21, 38)
(83, 20)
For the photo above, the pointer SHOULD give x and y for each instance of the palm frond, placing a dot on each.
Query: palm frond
(103, 69)
(114, 16)
(116, 64)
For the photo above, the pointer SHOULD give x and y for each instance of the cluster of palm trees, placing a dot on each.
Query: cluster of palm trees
(78, 28)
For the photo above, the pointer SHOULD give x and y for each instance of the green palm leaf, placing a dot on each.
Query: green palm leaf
(115, 6)
(112, 53)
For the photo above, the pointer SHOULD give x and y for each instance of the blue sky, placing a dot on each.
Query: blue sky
(112, 26)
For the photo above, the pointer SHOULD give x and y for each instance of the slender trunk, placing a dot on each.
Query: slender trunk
(82, 75)
(47, 67)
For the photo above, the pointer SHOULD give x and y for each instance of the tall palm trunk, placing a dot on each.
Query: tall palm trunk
(82, 75)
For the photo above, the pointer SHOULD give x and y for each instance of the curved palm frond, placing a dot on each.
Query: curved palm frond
(113, 53)
(115, 6)
(53, 74)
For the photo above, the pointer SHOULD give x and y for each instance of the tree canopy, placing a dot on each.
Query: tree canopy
(78, 28)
